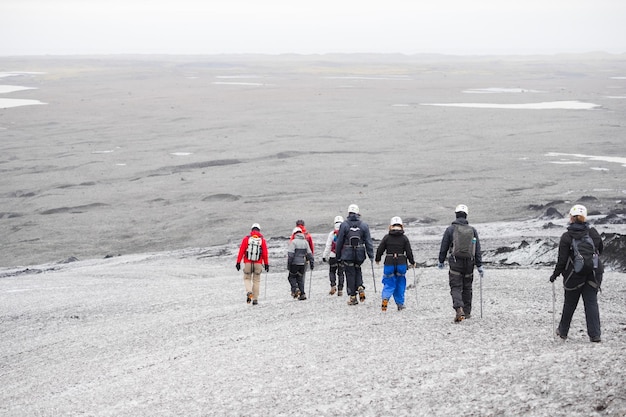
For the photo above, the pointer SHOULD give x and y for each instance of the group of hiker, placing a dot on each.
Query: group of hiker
(349, 244)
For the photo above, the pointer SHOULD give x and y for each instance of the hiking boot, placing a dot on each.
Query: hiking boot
(255, 302)
(460, 315)
(296, 294)
(595, 339)
(468, 316)
(333, 290)
(249, 298)
(339, 293)
(558, 333)
(361, 291)
(401, 307)
(302, 296)
(383, 307)
(353, 301)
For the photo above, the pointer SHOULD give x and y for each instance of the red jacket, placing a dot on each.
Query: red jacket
(244, 245)
(307, 236)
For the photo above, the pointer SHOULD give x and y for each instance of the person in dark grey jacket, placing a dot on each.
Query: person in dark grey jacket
(579, 285)
(354, 242)
(398, 251)
(461, 274)
(298, 253)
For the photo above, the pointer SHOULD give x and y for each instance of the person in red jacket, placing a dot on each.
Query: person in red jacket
(253, 252)
(307, 235)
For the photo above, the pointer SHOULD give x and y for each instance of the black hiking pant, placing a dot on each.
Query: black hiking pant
(336, 273)
(592, 311)
(354, 277)
(296, 278)
(461, 290)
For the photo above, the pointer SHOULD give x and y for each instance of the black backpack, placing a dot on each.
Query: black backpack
(463, 242)
(353, 237)
(585, 256)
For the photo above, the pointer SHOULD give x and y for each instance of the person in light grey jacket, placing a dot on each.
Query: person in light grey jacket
(298, 253)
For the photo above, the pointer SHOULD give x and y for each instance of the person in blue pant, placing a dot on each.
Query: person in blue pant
(398, 251)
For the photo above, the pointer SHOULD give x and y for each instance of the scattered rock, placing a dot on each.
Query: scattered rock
(612, 219)
(69, 260)
(551, 213)
(587, 198)
(614, 254)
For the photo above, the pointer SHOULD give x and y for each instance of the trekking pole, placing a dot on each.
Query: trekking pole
(481, 296)
(415, 285)
(310, 279)
(553, 311)
(265, 287)
(373, 276)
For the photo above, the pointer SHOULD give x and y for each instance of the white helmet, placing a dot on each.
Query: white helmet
(578, 210)
(395, 220)
(296, 230)
(338, 219)
(461, 208)
(256, 226)
(353, 208)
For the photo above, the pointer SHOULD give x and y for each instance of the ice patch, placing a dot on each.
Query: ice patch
(599, 169)
(107, 151)
(181, 153)
(612, 159)
(6, 103)
(360, 77)
(499, 90)
(4, 89)
(237, 83)
(238, 76)
(16, 73)
(399, 105)
(567, 162)
(615, 96)
(618, 78)
(550, 105)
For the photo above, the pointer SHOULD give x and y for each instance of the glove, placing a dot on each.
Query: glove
(238, 266)
(377, 263)
(481, 271)
(312, 266)
(267, 268)
(440, 265)
(552, 278)
(323, 259)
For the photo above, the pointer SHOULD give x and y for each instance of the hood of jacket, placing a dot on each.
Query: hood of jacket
(578, 230)
(460, 220)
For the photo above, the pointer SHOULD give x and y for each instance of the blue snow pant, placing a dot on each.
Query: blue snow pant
(592, 312)
(394, 283)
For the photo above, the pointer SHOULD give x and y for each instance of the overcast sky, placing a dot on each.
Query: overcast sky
(34, 27)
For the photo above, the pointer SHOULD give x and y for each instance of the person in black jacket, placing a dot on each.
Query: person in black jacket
(461, 274)
(354, 243)
(583, 284)
(398, 249)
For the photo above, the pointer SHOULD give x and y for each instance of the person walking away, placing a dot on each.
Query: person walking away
(353, 244)
(307, 235)
(582, 277)
(460, 243)
(398, 251)
(253, 252)
(298, 253)
(336, 274)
